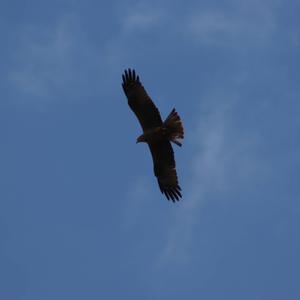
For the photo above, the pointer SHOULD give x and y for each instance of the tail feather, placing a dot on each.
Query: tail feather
(174, 127)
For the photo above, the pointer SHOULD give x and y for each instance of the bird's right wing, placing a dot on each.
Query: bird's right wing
(165, 169)
(139, 101)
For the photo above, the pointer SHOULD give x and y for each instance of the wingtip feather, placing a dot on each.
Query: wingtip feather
(129, 76)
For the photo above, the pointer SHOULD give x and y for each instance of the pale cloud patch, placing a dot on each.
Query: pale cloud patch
(124, 48)
(142, 19)
(141, 16)
(247, 23)
(51, 60)
(136, 203)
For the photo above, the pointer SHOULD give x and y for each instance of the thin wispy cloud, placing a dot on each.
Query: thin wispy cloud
(52, 60)
(142, 19)
(137, 203)
(249, 23)
(124, 48)
(222, 161)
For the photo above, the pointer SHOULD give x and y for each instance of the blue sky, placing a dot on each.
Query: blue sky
(81, 216)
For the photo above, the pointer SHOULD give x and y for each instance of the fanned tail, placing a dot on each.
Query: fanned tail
(174, 127)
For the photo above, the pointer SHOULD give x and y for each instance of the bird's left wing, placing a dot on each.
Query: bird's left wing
(139, 101)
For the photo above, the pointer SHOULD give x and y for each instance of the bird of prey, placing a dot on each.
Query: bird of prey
(156, 133)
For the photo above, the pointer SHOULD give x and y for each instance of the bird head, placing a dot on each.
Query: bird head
(141, 139)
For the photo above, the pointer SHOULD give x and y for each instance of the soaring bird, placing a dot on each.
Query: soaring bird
(156, 133)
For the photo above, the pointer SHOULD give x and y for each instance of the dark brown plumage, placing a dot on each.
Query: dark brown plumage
(156, 133)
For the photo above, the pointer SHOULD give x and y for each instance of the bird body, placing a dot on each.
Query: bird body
(171, 130)
(156, 133)
(153, 135)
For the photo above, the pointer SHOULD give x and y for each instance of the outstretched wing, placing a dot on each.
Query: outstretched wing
(139, 101)
(164, 169)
